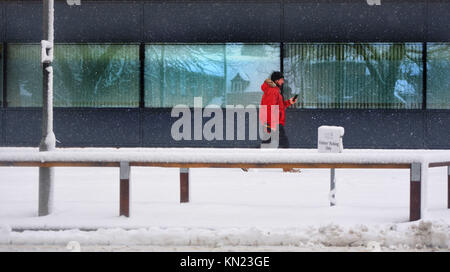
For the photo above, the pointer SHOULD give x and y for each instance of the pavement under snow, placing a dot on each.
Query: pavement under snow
(259, 210)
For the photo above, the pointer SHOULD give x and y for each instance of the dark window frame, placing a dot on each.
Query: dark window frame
(4, 70)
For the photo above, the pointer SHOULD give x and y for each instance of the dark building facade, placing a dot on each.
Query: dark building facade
(380, 71)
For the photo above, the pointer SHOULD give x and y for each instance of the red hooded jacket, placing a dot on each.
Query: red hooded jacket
(271, 97)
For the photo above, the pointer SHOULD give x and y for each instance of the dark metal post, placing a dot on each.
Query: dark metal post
(124, 189)
(48, 142)
(225, 71)
(3, 57)
(424, 75)
(141, 75)
(332, 187)
(184, 185)
(415, 191)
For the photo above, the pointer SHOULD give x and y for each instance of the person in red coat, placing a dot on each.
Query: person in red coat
(274, 125)
(272, 103)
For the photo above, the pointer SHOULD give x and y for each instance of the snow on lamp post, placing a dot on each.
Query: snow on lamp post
(48, 142)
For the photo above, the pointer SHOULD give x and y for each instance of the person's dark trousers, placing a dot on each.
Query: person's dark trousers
(283, 141)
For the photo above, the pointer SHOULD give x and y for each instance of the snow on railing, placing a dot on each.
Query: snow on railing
(224, 155)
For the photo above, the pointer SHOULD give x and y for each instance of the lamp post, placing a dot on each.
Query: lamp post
(48, 142)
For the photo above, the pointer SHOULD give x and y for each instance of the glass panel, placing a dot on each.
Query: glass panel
(222, 74)
(88, 75)
(354, 75)
(24, 75)
(438, 73)
(1, 75)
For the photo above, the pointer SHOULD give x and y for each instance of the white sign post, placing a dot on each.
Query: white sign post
(329, 140)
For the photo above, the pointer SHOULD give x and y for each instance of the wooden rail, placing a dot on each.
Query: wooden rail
(208, 165)
(125, 168)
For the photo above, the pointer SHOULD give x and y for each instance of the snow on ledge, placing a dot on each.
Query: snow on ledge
(223, 155)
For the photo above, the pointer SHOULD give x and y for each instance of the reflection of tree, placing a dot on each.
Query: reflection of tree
(202, 70)
(197, 58)
(24, 76)
(193, 69)
(363, 72)
(384, 75)
(438, 82)
(95, 75)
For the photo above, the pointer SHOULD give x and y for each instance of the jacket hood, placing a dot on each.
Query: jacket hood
(268, 83)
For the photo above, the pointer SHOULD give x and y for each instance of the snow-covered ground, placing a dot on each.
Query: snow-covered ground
(262, 210)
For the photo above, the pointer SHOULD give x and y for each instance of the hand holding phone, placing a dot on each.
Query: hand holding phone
(294, 99)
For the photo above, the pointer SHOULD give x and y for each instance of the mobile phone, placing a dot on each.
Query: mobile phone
(295, 97)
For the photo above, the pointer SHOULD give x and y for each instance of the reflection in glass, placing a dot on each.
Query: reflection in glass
(24, 76)
(355, 75)
(88, 75)
(222, 74)
(1, 75)
(438, 76)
